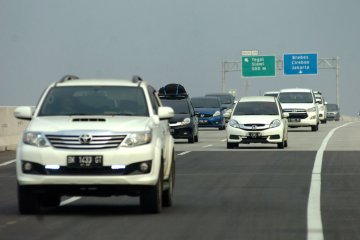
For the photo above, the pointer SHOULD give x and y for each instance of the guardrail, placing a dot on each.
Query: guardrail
(10, 129)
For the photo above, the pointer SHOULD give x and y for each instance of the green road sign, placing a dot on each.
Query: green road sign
(258, 66)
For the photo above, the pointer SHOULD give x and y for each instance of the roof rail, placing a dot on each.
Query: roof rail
(68, 78)
(136, 79)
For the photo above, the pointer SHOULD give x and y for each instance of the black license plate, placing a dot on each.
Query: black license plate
(84, 161)
(254, 134)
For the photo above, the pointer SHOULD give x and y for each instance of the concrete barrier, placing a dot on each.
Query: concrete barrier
(11, 129)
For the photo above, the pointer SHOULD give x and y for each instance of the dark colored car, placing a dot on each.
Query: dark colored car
(333, 112)
(184, 125)
(227, 102)
(209, 112)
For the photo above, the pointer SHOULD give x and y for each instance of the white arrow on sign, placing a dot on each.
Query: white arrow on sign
(300, 72)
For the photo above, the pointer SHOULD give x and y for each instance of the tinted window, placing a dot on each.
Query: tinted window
(225, 99)
(94, 100)
(205, 102)
(332, 107)
(180, 107)
(256, 108)
(295, 97)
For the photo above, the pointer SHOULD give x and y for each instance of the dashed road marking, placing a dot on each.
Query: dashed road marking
(7, 163)
(183, 153)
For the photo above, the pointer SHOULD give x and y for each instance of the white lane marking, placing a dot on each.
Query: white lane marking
(183, 153)
(7, 163)
(314, 222)
(70, 200)
(223, 140)
(207, 146)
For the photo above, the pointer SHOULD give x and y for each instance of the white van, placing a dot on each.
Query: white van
(301, 105)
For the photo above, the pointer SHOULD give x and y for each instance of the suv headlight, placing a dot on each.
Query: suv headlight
(313, 109)
(186, 121)
(137, 139)
(233, 123)
(35, 139)
(275, 123)
(217, 113)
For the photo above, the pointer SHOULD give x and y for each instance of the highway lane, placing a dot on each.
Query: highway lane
(254, 192)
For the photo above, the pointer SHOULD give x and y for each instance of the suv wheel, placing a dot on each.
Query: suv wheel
(167, 195)
(28, 202)
(314, 128)
(191, 139)
(196, 138)
(281, 145)
(151, 196)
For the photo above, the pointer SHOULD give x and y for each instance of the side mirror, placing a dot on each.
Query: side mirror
(23, 113)
(285, 115)
(165, 113)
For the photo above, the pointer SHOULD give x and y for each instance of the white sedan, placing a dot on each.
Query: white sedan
(257, 119)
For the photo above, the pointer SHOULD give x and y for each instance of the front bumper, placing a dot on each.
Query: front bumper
(271, 135)
(310, 120)
(120, 156)
(217, 121)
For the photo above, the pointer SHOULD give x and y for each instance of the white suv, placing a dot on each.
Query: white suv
(322, 106)
(96, 137)
(301, 105)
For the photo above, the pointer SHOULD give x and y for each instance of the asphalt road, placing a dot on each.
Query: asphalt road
(254, 192)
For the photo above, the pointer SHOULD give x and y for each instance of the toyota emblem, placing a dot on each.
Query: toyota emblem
(85, 138)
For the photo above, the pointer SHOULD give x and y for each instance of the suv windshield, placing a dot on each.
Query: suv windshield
(296, 97)
(256, 108)
(180, 107)
(332, 107)
(205, 102)
(94, 100)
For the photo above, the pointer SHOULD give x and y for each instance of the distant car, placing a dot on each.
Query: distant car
(333, 112)
(227, 102)
(184, 125)
(301, 105)
(272, 93)
(322, 106)
(209, 112)
(257, 119)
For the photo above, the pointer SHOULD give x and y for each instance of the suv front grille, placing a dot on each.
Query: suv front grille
(96, 141)
(296, 113)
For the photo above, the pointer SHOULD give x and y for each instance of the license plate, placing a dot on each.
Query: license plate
(85, 161)
(294, 120)
(202, 121)
(254, 134)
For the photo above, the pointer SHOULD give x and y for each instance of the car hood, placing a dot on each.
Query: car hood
(179, 118)
(255, 119)
(297, 105)
(207, 110)
(90, 123)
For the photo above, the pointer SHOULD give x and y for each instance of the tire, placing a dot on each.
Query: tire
(285, 143)
(231, 145)
(28, 202)
(191, 139)
(167, 195)
(222, 128)
(151, 196)
(196, 138)
(314, 128)
(281, 145)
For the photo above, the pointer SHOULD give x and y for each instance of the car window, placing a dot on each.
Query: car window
(256, 108)
(296, 97)
(205, 103)
(94, 100)
(180, 107)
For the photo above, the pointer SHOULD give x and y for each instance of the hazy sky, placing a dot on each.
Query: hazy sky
(182, 41)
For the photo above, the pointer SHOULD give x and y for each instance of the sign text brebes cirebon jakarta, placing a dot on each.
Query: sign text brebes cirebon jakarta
(258, 66)
(300, 63)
